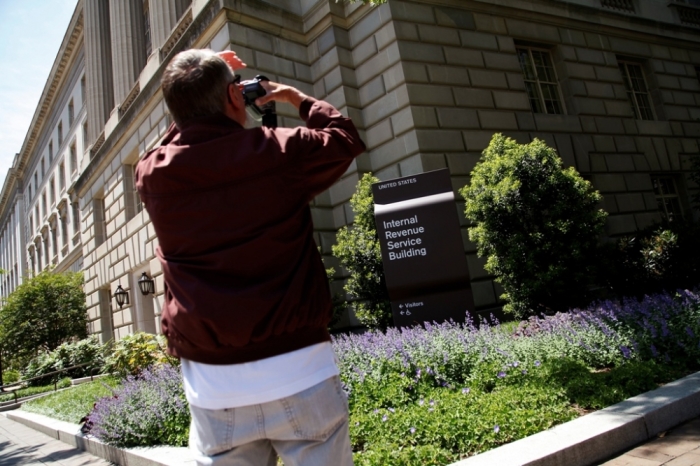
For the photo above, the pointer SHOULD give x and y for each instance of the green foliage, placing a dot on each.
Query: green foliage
(359, 252)
(661, 257)
(42, 313)
(87, 351)
(10, 376)
(136, 352)
(536, 223)
(29, 391)
(72, 405)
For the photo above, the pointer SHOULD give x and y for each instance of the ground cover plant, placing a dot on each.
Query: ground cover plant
(74, 404)
(29, 391)
(438, 393)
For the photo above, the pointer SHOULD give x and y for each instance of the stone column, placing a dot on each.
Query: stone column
(98, 66)
(128, 45)
(164, 16)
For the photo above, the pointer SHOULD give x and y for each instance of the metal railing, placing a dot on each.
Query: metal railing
(55, 384)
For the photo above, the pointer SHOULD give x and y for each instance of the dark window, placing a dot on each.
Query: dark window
(71, 113)
(637, 90)
(540, 80)
(667, 197)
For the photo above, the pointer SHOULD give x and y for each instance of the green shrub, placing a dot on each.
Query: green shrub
(10, 376)
(87, 351)
(136, 352)
(359, 252)
(536, 223)
(658, 258)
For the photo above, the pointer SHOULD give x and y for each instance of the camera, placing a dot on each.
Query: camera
(251, 91)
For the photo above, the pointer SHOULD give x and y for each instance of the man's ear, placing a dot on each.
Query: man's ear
(235, 97)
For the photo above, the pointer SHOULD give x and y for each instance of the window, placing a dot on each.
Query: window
(50, 150)
(147, 28)
(29, 195)
(64, 228)
(73, 158)
(540, 80)
(76, 219)
(71, 113)
(85, 135)
(43, 167)
(133, 200)
(667, 197)
(52, 191)
(637, 90)
(43, 204)
(60, 133)
(38, 217)
(62, 175)
(36, 181)
(99, 220)
(82, 90)
(31, 225)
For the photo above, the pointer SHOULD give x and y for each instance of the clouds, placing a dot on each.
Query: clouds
(31, 32)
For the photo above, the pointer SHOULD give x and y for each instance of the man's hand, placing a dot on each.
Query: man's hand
(232, 60)
(280, 93)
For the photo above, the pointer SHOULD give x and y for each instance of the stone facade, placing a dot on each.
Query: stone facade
(615, 88)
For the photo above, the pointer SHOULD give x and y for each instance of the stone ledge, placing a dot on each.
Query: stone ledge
(586, 440)
(602, 434)
(70, 433)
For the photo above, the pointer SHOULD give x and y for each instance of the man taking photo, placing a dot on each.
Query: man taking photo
(246, 298)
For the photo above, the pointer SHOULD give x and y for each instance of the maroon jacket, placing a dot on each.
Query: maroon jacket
(230, 206)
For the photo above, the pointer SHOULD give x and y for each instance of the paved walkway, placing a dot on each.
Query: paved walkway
(679, 446)
(20, 445)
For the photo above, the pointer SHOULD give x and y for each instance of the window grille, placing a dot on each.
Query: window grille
(620, 5)
(540, 80)
(637, 90)
(667, 197)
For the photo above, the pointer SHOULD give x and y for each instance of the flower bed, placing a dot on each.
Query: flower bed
(436, 394)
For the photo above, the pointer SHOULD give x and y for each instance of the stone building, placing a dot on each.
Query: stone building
(614, 85)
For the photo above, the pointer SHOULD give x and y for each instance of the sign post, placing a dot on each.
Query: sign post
(423, 255)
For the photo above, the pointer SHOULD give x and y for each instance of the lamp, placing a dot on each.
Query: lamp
(146, 285)
(121, 296)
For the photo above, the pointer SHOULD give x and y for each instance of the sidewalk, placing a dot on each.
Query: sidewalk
(20, 445)
(679, 446)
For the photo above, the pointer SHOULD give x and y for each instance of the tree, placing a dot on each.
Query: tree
(537, 224)
(42, 313)
(359, 252)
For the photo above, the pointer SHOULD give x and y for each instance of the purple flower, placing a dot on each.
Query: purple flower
(524, 372)
(516, 364)
(385, 418)
(392, 410)
(465, 390)
(625, 352)
(537, 364)
(496, 429)
(501, 375)
(412, 430)
(421, 402)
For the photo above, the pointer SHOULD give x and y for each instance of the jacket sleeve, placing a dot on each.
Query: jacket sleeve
(323, 150)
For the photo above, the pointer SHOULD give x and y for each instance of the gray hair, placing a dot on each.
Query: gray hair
(195, 85)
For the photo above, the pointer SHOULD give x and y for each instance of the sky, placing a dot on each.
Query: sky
(31, 32)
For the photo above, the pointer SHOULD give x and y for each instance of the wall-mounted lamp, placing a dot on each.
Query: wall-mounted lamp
(121, 296)
(146, 285)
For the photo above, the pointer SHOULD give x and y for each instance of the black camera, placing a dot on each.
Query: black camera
(251, 91)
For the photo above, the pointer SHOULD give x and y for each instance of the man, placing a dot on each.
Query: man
(246, 299)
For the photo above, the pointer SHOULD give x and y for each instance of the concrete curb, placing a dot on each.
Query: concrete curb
(602, 434)
(70, 434)
(583, 441)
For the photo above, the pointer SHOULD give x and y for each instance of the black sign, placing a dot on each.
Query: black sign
(424, 264)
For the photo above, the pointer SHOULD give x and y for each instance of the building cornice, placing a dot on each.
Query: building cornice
(65, 57)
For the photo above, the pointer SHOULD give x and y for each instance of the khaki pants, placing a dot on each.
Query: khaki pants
(309, 428)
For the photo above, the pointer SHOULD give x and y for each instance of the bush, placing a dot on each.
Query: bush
(661, 257)
(136, 352)
(148, 409)
(10, 376)
(536, 223)
(87, 351)
(359, 252)
(42, 313)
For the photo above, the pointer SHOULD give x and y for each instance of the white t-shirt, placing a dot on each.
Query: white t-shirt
(211, 386)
